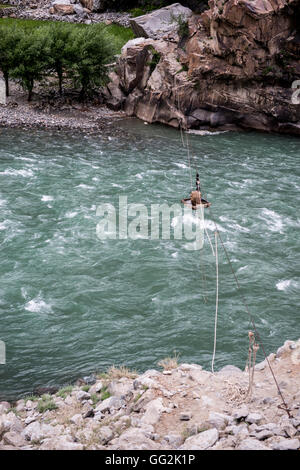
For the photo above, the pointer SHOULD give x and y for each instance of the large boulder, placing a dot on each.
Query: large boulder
(202, 441)
(133, 439)
(62, 7)
(60, 443)
(162, 22)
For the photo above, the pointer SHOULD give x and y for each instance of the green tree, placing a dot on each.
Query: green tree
(9, 39)
(88, 51)
(60, 36)
(32, 57)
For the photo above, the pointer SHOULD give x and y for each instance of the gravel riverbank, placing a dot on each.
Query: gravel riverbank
(41, 114)
(182, 407)
(41, 12)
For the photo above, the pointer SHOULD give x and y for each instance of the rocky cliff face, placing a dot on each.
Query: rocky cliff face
(233, 66)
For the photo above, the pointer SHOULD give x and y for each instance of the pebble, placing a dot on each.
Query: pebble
(30, 419)
(253, 418)
(185, 416)
(241, 413)
(262, 435)
(81, 395)
(90, 379)
(252, 444)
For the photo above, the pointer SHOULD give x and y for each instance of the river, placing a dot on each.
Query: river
(72, 304)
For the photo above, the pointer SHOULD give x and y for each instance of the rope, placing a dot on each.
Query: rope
(189, 160)
(285, 407)
(202, 267)
(182, 136)
(251, 319)
(217, 302)
(211, 245)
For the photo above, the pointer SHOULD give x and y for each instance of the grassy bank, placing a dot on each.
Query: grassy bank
(118, 35)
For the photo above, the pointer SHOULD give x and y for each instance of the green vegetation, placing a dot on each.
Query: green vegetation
(154, 59)
(267, 70)
(183, 27)
(135, 12)
(139, 395)
(88, 52)
(104, 393)
(95, 398)
(63, 392)
(146, 7)
(31, 51)
(13, 409)
(46, 403)
(184, 68)
(9, 38)
(283, 58)
(31, 57)
(31, 398)
(85, 388)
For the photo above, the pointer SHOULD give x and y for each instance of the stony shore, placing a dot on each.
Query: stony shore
(182, 407)
(59, 115)
(41, 12)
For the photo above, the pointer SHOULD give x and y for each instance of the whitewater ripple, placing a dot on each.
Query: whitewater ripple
(38, 305)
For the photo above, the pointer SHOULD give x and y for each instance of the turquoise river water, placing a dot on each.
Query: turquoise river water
(72, 304)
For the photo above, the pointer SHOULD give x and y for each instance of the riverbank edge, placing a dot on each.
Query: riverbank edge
(89, 120)
(82, 118)
(182, 407)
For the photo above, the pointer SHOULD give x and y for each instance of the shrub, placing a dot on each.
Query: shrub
(154, 60)
(104, 393)
(63, 392)
(88, 51)
(183, 27)
(46, 404)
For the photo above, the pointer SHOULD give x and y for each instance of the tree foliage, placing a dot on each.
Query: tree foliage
(88, 52)
(29, 54)
(60, 36)
(32, 57)
(9, 39)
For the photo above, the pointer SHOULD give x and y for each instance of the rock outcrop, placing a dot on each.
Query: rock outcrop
(233, 67)
(160, 22)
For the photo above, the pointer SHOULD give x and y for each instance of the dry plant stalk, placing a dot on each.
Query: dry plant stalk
(169, 363)
(252, 351)
(120, 372)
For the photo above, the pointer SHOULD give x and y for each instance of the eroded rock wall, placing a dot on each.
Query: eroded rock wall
(232, 66)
